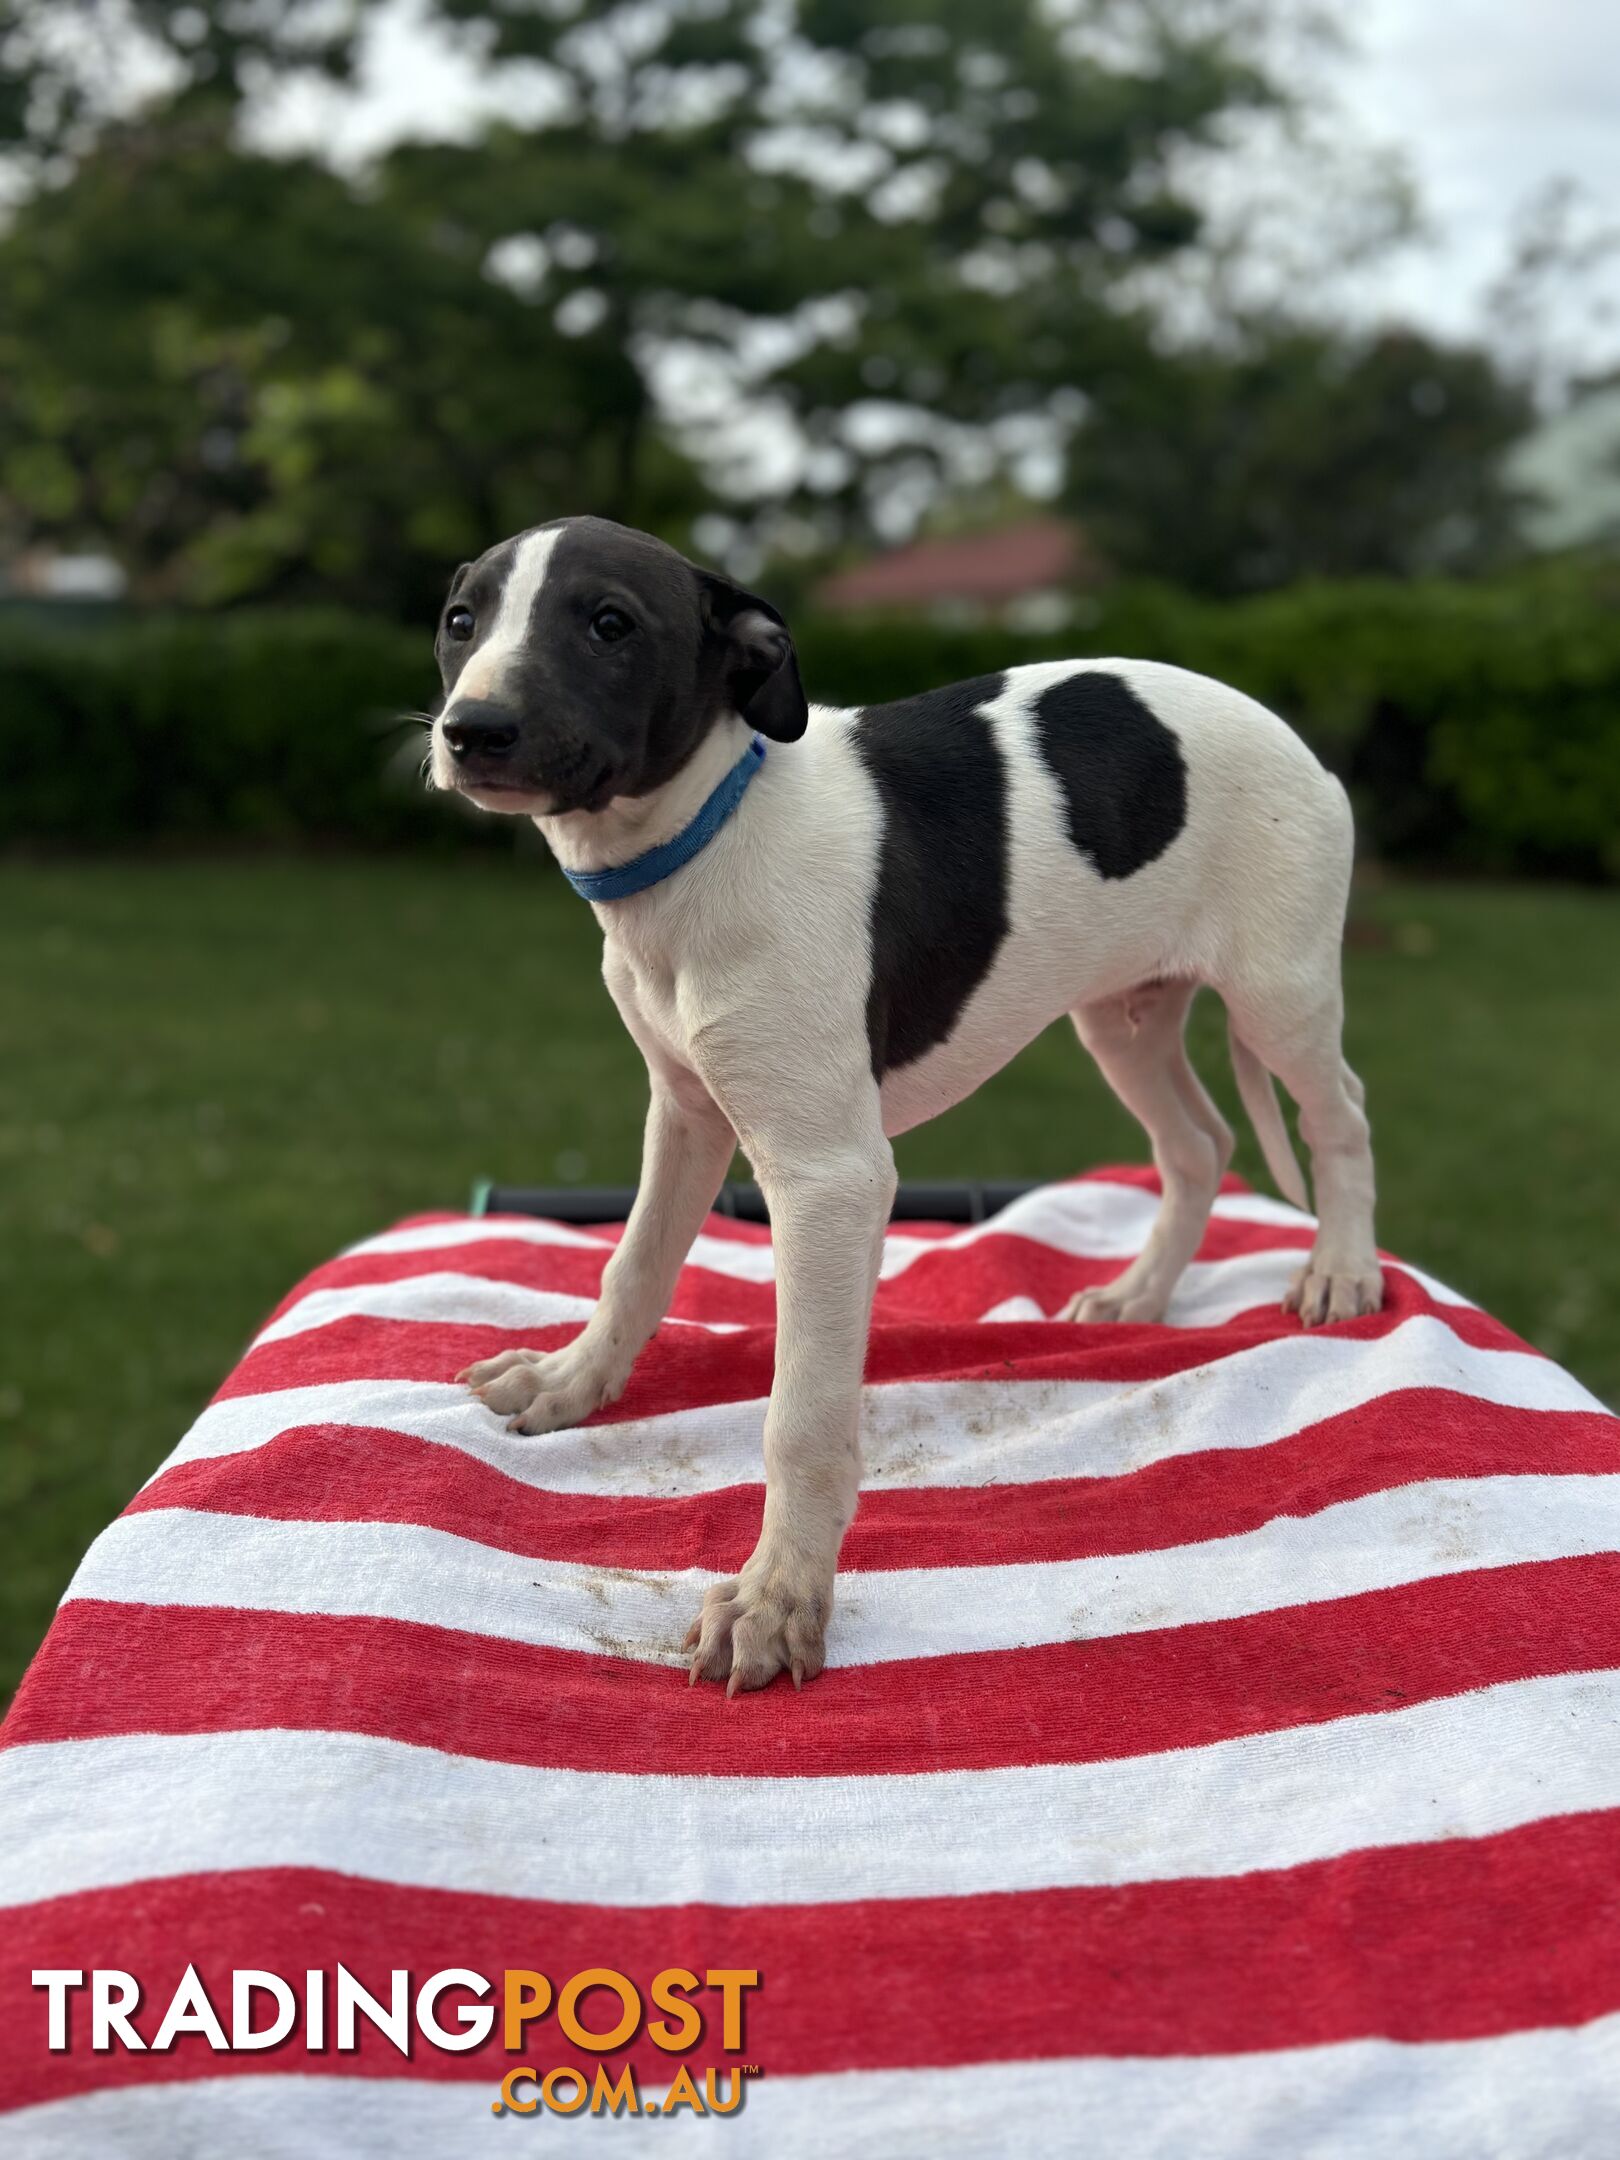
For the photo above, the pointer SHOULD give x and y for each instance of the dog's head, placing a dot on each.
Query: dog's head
(583, 661)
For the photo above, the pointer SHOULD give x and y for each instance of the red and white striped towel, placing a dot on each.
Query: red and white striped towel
(1219, 1753)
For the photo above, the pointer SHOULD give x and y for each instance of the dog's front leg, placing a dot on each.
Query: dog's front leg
(828, 1212)
(688, 1144)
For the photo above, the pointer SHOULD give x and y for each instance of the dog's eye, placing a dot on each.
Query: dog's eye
(458, 624)
(610, 626)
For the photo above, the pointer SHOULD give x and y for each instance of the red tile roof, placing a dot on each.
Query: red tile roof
(989, 568)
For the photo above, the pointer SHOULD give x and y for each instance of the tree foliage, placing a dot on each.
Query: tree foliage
(1300, 452)
(875, 230)
(255, 377)
(256, 373)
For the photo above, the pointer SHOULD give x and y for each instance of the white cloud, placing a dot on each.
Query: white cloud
(1492, 100)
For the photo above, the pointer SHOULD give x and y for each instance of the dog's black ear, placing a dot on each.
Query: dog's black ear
(761, 669)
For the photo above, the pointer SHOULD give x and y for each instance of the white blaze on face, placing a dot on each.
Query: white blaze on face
(485, 672)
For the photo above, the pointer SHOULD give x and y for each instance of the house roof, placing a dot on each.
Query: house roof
(989, 568)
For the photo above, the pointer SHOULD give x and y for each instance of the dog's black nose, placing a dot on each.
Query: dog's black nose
(480, 730)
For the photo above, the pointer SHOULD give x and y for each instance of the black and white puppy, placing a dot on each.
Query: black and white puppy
(818, 948)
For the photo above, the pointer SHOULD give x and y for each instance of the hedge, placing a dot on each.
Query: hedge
(1478, 726)
(279, 726)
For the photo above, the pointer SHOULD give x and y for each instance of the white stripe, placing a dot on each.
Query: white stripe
(743, 1261)
(460, 1300)
(1552, 2094)
(87, 1814)
(1209, 1293)
(933, 1432)
(403, 1571)
(1093, 1220)
(483, 676)
(458, 1230)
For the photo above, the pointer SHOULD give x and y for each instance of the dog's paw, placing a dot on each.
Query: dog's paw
(748, 1632)
(1322, 1292)
(491, 1368)
(538, 1391)
(1113, 1302)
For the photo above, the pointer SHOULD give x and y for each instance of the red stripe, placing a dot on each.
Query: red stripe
(685, 1366)
(724, 1228)
(1449, 1941)
(344, 1473)
(958, 1283)
(109, 1668)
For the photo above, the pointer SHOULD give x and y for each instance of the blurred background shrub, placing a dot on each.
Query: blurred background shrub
(1477, 724)
(268, 725)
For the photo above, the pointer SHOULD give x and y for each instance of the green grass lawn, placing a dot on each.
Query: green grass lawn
(212, 1074)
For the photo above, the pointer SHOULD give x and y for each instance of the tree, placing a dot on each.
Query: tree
(883, 220)
(1300, 451)
(254, 378)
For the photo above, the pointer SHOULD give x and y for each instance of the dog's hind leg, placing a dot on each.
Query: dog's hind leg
(1293, 1024)
(1137, 1041)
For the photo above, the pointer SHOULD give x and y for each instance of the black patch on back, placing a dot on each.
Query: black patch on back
(1120, 768)
(939, 910)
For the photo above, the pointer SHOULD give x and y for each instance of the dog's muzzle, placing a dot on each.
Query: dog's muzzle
(492, 753)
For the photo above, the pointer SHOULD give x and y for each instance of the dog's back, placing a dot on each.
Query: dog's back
(1060, 833)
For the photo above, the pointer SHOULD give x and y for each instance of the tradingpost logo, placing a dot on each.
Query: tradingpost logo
(453, 2012)
(565, 2090)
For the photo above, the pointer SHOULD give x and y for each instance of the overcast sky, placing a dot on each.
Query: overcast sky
(1487, 100)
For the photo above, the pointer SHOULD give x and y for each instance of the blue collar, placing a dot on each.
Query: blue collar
(623, 879)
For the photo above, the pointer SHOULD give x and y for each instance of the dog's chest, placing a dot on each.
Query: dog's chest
(669, 1001)
(645, 988)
